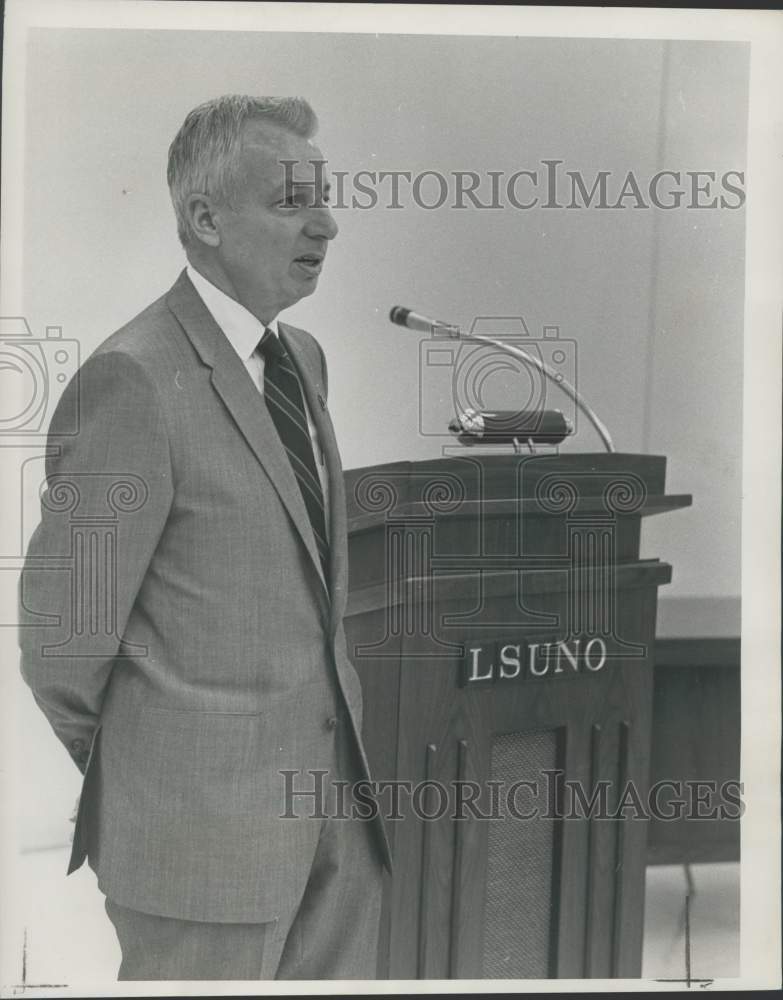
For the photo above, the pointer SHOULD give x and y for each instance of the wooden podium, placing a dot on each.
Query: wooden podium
(502, 624)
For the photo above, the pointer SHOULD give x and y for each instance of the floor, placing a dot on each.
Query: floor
(713, 922)
(63, 936)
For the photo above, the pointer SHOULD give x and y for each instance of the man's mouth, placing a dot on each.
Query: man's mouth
(310, 263)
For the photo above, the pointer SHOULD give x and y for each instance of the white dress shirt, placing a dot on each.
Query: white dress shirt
(244, 331)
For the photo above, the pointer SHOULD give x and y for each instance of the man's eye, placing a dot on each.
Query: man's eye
(306, 200)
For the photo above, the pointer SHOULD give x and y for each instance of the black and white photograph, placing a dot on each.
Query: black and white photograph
(390, 407)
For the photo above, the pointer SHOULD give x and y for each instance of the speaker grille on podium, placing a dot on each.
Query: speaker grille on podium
(520, 863)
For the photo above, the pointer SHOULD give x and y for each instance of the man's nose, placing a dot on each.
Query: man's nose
(321, 223)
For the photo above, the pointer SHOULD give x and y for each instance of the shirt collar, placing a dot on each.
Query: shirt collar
(242, 329)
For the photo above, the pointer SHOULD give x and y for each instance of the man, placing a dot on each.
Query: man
(205, 437)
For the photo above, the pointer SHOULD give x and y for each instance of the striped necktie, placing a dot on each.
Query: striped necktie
(284, 400)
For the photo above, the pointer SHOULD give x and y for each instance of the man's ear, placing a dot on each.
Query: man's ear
(201, 213)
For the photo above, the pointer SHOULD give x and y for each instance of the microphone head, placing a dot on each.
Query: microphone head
(399, 315)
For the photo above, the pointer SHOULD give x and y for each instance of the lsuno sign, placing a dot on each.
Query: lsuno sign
(488, 663)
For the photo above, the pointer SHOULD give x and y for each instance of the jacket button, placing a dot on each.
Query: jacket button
(332, 722)
(77, 745)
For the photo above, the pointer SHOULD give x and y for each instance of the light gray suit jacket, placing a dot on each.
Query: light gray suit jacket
(192, 648)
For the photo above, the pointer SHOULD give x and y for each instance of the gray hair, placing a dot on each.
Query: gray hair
(204, 155)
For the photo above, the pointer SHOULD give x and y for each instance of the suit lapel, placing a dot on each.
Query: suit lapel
(233, 383)
(310, 375)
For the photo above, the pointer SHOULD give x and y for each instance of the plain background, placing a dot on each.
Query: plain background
(653, 299)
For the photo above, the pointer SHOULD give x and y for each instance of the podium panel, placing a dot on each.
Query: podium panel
(502, 625)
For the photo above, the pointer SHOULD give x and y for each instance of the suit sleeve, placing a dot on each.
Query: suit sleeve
(106, 499)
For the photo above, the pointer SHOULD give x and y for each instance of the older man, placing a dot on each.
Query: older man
(227, 584)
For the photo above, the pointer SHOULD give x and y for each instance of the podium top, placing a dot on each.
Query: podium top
(616, 484)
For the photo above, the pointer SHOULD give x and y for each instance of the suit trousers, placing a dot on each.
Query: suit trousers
(332, 934)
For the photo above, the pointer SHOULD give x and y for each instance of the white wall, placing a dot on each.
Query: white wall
(693, 397)
(653, 299)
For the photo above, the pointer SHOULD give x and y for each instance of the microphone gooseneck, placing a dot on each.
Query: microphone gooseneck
(415, 321)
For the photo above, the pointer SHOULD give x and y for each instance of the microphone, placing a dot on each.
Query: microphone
(416, 321)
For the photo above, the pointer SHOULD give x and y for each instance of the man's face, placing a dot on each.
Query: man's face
(274, 236)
